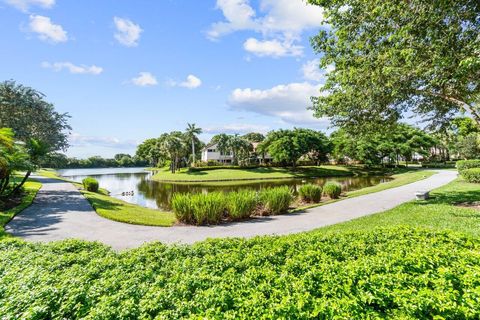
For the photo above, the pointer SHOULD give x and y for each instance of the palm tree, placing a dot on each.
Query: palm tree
(238, 146)
(174, 146)
(192, 132)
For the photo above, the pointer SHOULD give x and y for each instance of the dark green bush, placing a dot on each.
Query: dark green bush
(241, 204)
(471, 175)
(90, 184)
(276, 200)
(467, 164)
(396, 273)
(310, 193)
(199, 208)
(332, 189)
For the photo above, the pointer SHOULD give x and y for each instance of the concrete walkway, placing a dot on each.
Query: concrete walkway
(61, 212)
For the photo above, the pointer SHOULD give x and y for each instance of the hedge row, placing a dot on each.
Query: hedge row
(467, 164)
(399, 273)
(471, 175)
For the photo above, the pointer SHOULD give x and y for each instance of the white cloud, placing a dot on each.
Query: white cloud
(192, 82)
(72, 68)
(288, 102)
(311, 71)
(128, 33)
(78, 140)
(233, 128)
(47, 30)
(24, 5)
(145, 79)
(274, 48)
(282, 22)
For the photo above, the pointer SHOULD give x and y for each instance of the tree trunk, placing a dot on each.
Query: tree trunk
(193, 152)
(17, 188)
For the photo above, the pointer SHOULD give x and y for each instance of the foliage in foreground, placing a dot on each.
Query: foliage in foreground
(397, 272)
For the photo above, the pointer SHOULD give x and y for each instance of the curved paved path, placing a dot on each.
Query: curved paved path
(61, 212)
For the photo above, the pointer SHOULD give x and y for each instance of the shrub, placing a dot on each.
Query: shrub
(199, 208)
(385, 273)
(241, 204)
(332, 189)
(276, 200)
(467, 164)
(471, 175)
(90, 184)
(440, 165)
(310, 193)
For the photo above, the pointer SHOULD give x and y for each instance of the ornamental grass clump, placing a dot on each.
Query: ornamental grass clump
(241, 204)
(310, 193)
(199, 208)
(332, 189)
(90, 184)
(276, 200)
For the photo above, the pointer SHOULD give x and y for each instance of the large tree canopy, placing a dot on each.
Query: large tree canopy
(394, 57)
(24, 110)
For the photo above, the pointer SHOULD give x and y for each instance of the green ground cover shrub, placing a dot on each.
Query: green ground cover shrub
(199, 208)
(310, 193)
(467, 164)
(90, 184)
(276, 200)
(400, 273)
(332, 189)
(439, 165)
(241, 204)
(471, 175)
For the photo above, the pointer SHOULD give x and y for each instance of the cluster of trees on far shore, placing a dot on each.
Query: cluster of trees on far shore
(61, 161)
(401, 143)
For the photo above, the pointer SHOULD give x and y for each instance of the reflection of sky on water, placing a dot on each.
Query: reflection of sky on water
(157, 195)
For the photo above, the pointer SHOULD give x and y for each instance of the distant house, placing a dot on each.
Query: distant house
(211, 153)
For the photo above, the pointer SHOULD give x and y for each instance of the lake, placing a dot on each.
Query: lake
(157, 195)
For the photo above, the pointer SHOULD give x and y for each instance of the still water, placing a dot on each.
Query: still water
(157, 195)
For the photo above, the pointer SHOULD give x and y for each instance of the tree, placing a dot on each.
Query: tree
(288, 146)
(192, 131)
(239, 147)
(175, 146)
(33, 120)
(13, 157)
(254, 137)
(376, 148)
(391, 57)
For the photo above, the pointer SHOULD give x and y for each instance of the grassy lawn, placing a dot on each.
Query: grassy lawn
(118, 210)
(252, 174)
(438, 213)
(30, 191)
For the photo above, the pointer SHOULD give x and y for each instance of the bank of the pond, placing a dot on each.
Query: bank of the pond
(8, 211)
(261, 173)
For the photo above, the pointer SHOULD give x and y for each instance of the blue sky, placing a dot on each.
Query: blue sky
(130, 70)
